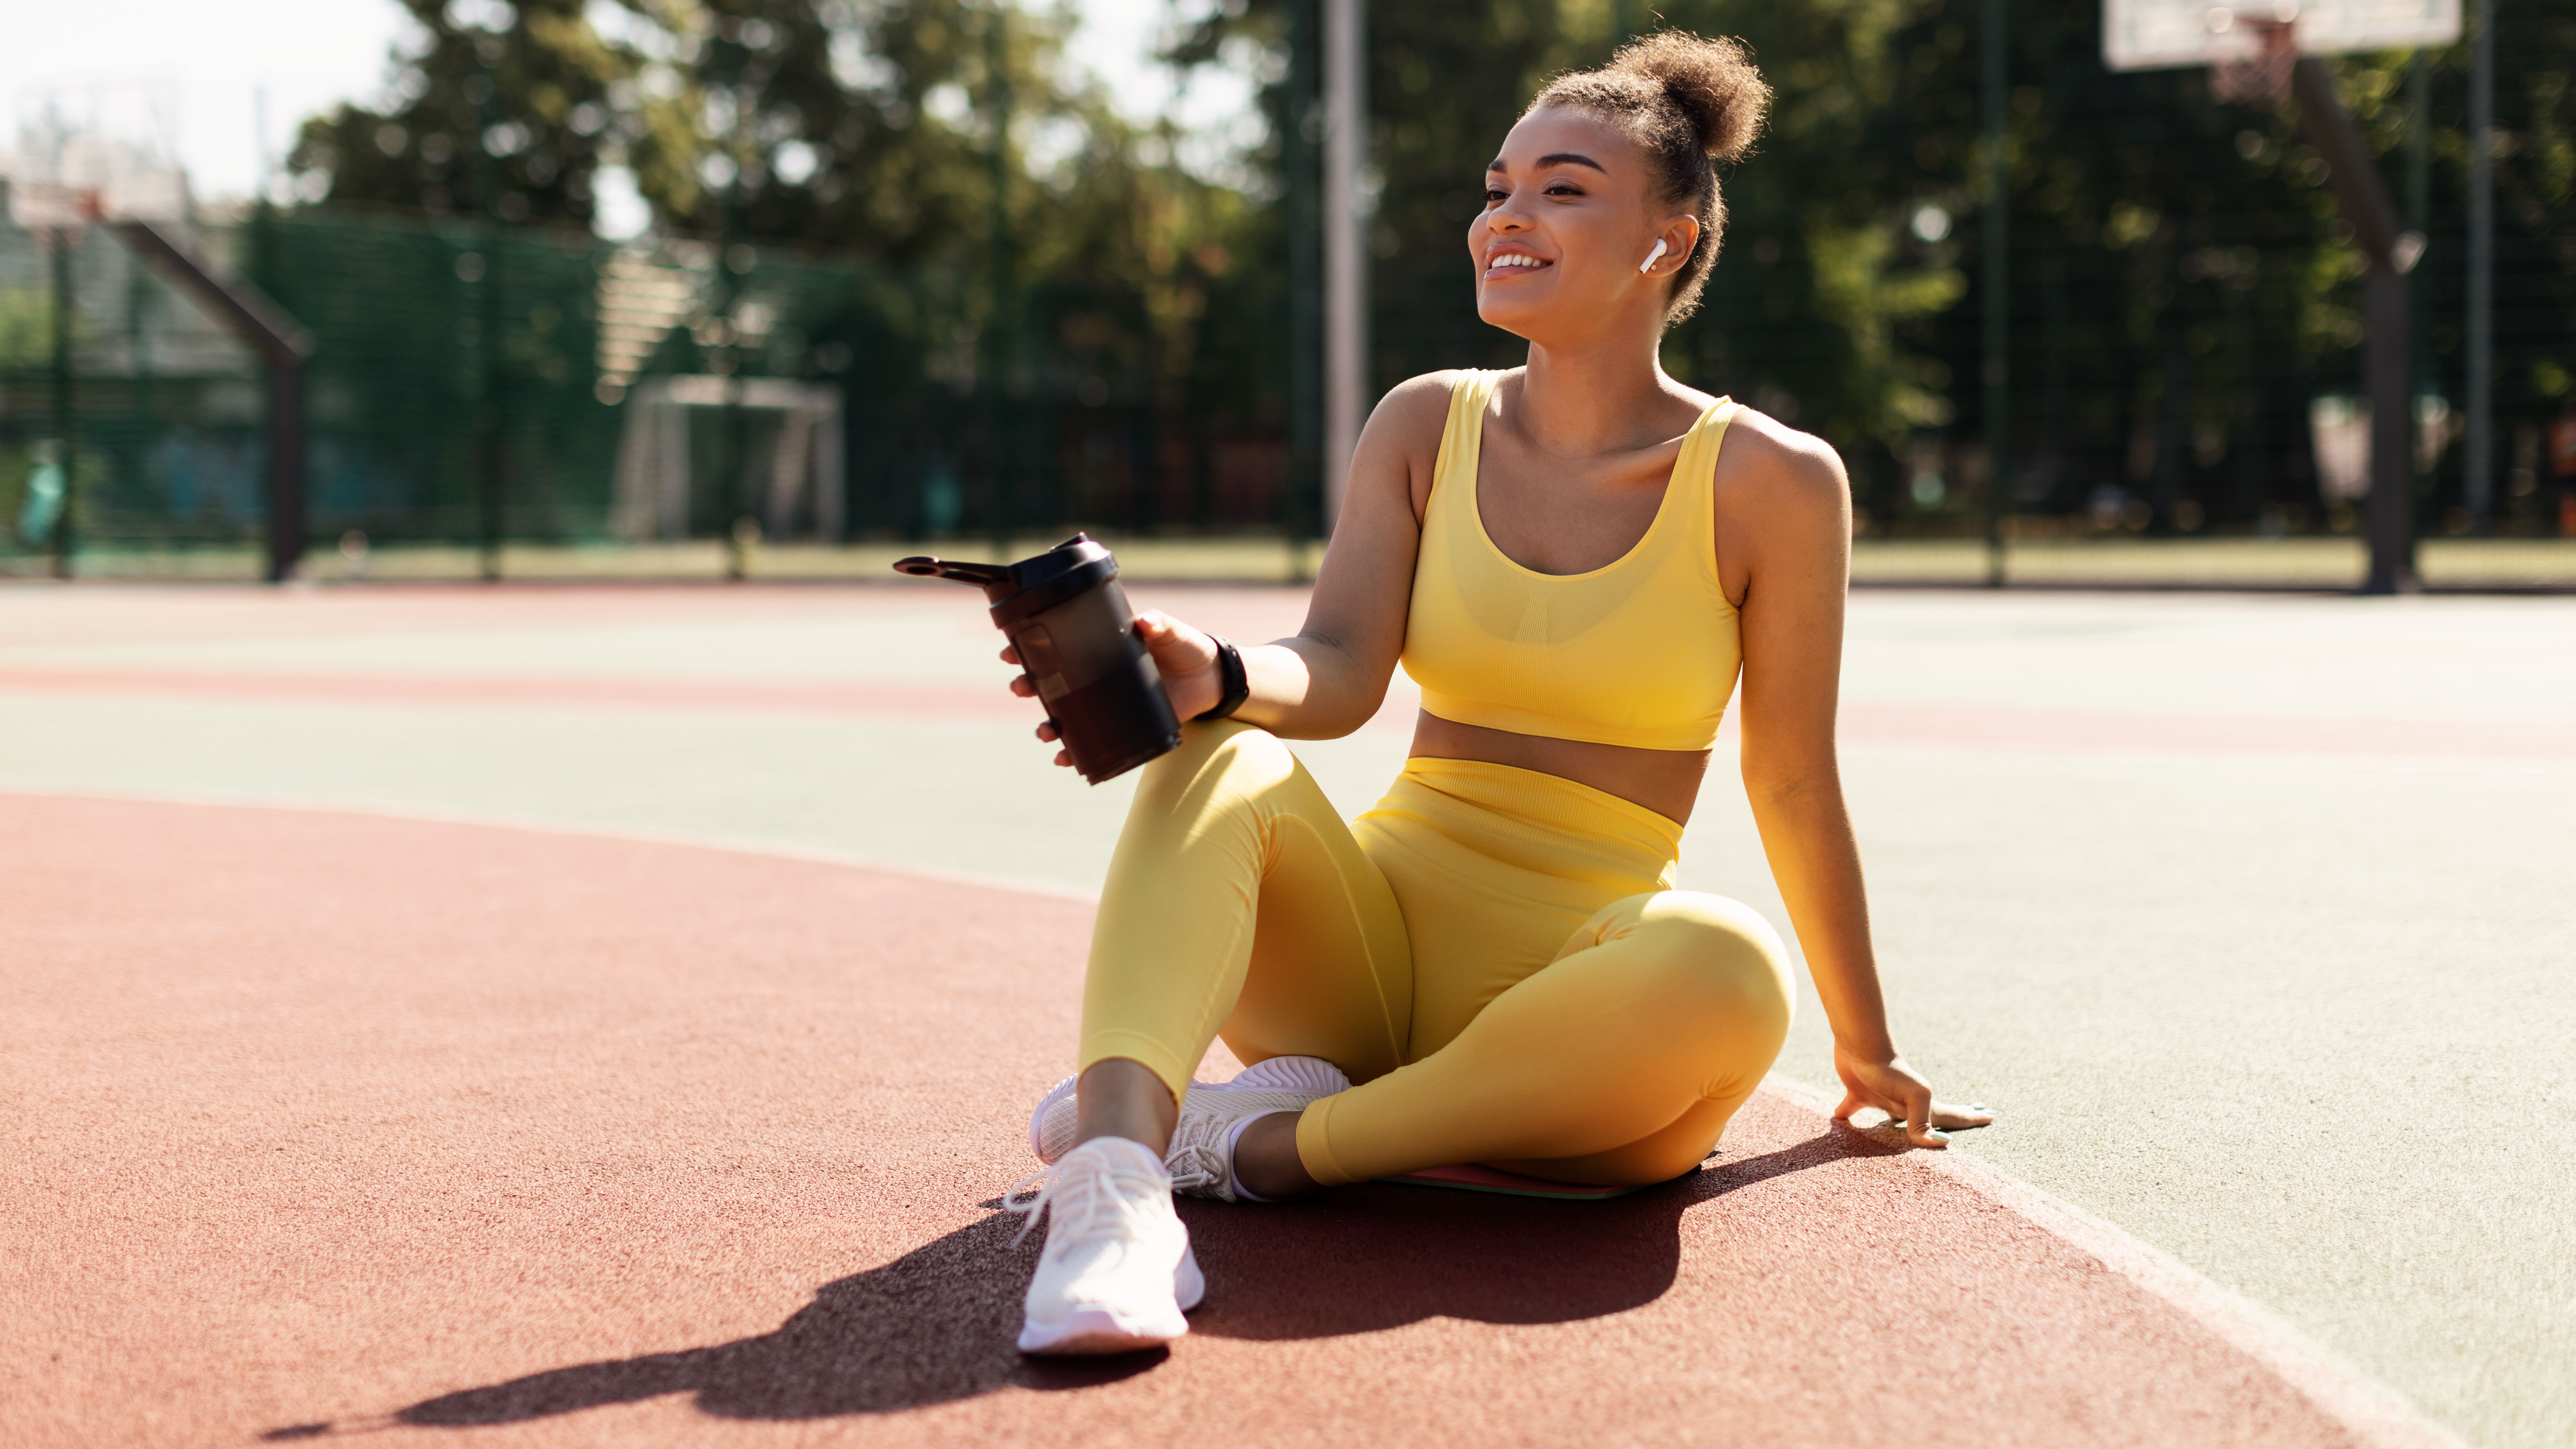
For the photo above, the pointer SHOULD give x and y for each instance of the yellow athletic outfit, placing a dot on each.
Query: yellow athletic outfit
(1495, 956)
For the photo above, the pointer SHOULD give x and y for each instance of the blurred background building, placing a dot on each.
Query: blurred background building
(618, 272)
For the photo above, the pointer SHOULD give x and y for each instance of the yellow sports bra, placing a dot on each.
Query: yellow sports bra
(1642, 651)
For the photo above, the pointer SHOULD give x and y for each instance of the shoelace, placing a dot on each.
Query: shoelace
(1201, 1164)
(1202, 1151)
(1086, 1202)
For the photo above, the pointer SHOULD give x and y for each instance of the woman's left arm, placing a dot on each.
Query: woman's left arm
(1786, 520)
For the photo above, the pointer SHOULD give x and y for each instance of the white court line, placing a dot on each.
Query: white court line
(731, 844)
(2308, 761)
(2375, 1414)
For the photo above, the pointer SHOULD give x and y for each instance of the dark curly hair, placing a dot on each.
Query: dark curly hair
(1687, 101)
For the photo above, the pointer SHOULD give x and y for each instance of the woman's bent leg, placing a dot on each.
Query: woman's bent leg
(1237, 899)
(1620, 1062)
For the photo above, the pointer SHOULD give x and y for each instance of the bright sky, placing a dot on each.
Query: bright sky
(191, 71)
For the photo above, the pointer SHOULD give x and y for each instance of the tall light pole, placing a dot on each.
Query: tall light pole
(1306, 501)
(1345, 244)
(485, 278)
(1001, 333)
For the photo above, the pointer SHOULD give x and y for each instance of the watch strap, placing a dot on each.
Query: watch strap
(1233, 686)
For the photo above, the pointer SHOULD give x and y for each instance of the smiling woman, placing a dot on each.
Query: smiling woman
(1683, 102)
(1577, 560)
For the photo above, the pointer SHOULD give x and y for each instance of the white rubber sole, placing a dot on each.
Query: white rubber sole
(1096, 1331)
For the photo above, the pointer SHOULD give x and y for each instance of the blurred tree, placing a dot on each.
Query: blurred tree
(1057, 305)
(1055, 311)
(27, 328)
(1801, 314)
(2180, 288)
(496, 109)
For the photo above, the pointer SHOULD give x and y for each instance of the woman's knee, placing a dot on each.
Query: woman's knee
(1703, 950)
(1217, 758)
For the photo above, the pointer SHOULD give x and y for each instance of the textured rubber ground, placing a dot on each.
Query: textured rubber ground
(325, 1123)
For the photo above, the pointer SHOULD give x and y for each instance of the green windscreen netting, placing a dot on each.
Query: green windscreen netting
(470, 384)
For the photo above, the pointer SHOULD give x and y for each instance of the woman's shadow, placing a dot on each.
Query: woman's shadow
(937, 1324)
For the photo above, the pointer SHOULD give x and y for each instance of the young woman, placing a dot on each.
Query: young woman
(1574, 559)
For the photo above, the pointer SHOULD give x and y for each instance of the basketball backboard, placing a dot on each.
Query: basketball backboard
(2165, 34)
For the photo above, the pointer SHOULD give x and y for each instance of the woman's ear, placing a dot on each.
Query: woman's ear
(1672, 245)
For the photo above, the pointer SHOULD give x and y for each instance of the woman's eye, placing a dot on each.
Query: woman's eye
(1562, 189)
(1494, 196)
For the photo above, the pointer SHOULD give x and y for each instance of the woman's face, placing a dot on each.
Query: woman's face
(1567, 222)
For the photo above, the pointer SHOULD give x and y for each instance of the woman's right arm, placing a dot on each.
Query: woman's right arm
(1328, 678)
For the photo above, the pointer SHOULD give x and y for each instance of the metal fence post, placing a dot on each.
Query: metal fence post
(1997, 223)
(64, 421)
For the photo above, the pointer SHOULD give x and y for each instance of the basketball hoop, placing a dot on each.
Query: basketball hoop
(2261, 77)
(48, 206)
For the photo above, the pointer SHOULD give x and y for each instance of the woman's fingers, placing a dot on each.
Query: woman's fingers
(1949, 1116)
(1020, 686)
(1010, 654)
(1919, 1129)
(1851, 1103)
(1046, 732)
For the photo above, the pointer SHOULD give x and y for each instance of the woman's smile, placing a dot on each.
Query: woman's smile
(1508, 262)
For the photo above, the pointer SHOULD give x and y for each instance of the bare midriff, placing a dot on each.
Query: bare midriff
(1664, 781)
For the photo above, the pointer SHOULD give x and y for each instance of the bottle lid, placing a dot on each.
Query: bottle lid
(1031, 586)
(1040, 583)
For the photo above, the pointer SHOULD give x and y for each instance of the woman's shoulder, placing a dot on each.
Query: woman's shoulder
(1415, 412)
(1423, 394)
(1783, 503)
(1765, 463)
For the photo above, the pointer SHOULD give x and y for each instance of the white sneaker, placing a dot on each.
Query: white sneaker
(1201, 1159)
(1214, 1114)
(1117, 1272)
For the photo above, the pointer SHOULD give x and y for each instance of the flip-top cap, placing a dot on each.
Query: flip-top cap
(1039, 584)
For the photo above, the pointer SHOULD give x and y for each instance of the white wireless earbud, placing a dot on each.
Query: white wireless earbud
(1652, 257)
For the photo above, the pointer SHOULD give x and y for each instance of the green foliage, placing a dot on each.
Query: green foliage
(2179, 285)
(1034, 286)
(27, 329)
(509, 118)
(1032, 296)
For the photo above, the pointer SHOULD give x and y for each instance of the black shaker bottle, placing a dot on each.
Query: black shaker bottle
(1076, 637)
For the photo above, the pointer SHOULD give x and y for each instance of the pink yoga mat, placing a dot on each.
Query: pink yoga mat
(1469, 1177)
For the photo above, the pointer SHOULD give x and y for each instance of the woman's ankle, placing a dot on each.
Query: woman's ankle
(1266, 1161)
(1119, 1097)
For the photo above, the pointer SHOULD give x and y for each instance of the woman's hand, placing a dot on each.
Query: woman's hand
(1894, 1088)
(1184, 656)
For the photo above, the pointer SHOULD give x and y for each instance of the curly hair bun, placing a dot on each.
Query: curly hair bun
(1713, 82)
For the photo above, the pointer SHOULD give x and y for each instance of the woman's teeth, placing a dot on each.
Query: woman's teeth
(1512, 259)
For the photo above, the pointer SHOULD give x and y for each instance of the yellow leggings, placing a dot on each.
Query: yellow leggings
(1495, 956)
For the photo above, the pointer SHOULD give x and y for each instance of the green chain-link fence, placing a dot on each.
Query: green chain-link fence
(472, 386)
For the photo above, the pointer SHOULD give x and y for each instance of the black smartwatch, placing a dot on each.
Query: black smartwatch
(1233, 688)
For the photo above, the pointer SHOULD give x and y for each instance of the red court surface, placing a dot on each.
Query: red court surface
(326, 1124)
